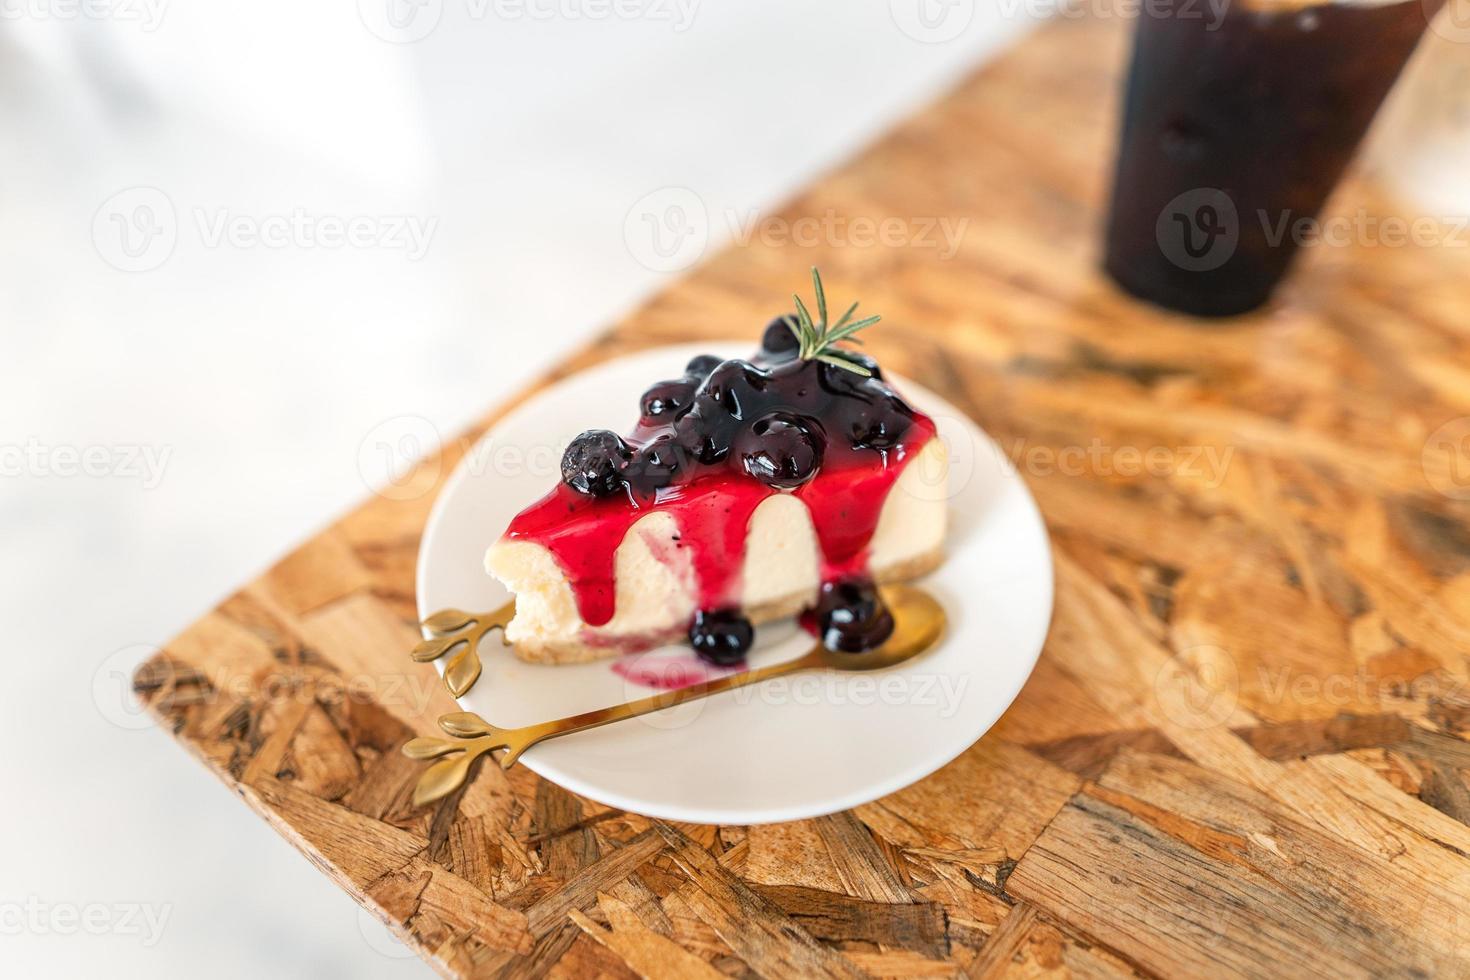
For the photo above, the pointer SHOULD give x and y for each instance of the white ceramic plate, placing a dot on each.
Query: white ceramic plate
(792, 747)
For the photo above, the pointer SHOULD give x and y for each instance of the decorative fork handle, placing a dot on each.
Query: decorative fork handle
(474, 736)
(451, 628)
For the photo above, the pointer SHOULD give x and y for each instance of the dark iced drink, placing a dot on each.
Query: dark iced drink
(1237, 123)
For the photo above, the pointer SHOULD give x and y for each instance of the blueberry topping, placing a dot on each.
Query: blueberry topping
(879, 424)
(702, 443)
(656, 465)
(732, 389)
(593, 464)
(721, 636)
(852, 617)
(780, 451)
(700, 367)
(778, 342)
(666, 399)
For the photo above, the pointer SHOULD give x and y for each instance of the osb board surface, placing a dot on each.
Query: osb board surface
(1243, 751)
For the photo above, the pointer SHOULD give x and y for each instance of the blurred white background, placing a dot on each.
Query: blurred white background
(192, 357)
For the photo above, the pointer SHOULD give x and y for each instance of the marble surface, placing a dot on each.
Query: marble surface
(254, 254)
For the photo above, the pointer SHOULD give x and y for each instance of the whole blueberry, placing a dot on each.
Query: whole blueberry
(780, 451)
(700, 366)
(665, 400)
(721, 636)
(779, 342)
(594, 462)
(852, 617)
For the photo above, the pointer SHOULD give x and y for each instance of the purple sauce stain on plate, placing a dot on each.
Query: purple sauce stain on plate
(668, 673)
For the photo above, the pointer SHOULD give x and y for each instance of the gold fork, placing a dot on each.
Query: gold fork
(918, 622)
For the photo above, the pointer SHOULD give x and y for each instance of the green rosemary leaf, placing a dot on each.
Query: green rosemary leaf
(795, 329)
(843, 333)
(821, 297)
(817, 339)
(842, 362)
(810, 337)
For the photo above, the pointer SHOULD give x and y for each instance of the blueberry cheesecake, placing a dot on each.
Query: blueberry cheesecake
(791, 483)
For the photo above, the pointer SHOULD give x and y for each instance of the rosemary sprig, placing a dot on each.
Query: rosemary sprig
(818, 340)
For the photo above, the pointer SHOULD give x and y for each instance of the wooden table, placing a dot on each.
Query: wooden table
(1242, 751)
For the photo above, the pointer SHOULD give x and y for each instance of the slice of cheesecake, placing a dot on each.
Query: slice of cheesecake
(749, 491)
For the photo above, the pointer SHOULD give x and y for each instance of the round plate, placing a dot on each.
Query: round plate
(792, 747)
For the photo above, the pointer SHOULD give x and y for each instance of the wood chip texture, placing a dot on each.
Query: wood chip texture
(1243, 752)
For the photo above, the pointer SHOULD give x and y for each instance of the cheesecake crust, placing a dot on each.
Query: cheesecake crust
(579, 650)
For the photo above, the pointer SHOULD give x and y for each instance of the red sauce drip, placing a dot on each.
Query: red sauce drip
(713, 514)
